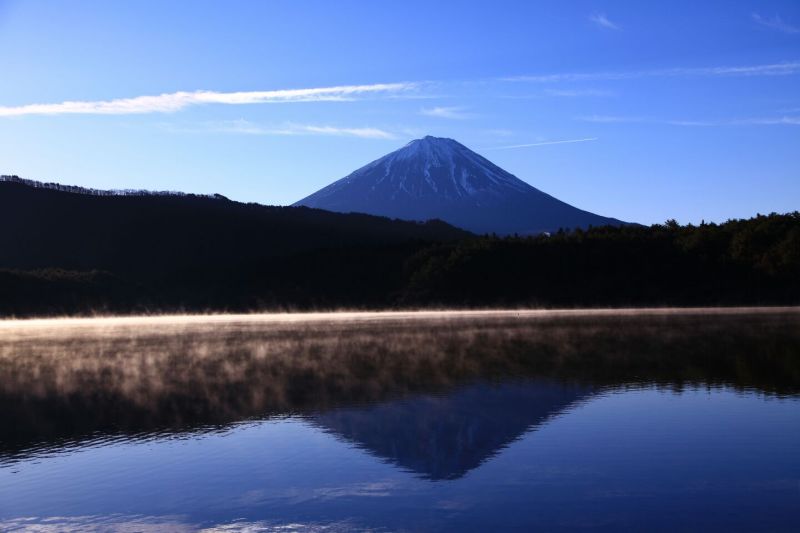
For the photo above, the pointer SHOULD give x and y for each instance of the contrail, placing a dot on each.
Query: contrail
(545, 143)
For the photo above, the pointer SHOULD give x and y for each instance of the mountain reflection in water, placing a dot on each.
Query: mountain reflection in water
(435, 396)
(445, 436)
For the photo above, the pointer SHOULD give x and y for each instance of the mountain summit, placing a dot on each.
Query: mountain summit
(440, 178)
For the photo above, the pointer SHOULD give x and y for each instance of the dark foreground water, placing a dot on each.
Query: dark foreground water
(654, 421)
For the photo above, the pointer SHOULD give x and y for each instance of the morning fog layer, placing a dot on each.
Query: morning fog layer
(76, 379)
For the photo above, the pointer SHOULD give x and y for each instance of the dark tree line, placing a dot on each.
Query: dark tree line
(754, 261)
(740, 262)
(76, 189)
(70, 252)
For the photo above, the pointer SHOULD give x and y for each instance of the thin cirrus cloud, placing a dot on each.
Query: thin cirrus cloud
(245, 127)
(177, 101)
(770, 69)
(770, 121)
(544, 143)
(308, 129)
(172, 102)
(576, 93)
(452, 113)
(774, 23)
(601, 20)
(610, 119)
(764, 121)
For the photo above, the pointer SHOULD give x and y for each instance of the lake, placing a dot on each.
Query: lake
(656, 420)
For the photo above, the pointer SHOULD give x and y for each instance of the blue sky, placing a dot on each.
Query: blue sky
(685, 110)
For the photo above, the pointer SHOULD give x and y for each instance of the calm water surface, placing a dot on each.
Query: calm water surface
(659, 421)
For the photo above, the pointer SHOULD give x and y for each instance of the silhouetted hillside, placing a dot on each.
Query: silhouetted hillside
(73, 252)
(158, 234)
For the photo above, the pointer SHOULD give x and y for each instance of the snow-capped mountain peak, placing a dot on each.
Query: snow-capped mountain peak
(437, 177)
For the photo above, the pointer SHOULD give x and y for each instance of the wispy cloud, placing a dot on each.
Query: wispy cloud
(245, 127)
(499, 132)
(771, 69)
(603, 21)
(171, 102)
(774, 69)
(770, 121)
(578, 93)
(608, 119)
(544, 143)
(611, 119)
(364, 133)
(775, 23)
(453, 113)
(691, 123)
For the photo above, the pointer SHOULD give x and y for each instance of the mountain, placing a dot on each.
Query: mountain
(438, 178)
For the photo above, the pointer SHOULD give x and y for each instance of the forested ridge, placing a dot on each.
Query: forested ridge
(67, 253)
(752, 261)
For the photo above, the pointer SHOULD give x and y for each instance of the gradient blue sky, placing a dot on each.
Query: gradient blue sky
(686, 110)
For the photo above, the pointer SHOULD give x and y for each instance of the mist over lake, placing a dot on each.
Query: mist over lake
(403, 421)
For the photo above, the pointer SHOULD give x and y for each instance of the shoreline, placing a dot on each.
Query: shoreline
(377, 316)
